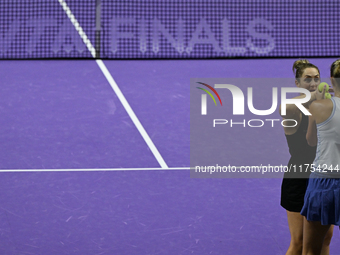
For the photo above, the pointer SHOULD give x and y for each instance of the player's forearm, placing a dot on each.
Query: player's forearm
(311, 135)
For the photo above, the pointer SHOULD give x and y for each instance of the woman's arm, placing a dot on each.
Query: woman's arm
(292, 111)
(311, 135)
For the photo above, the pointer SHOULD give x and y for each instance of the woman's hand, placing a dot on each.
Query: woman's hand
(319, 95)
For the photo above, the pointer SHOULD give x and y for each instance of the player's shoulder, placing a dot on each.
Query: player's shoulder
(320, 104)
(321, 109)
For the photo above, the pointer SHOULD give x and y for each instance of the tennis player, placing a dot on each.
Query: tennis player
(322, 200)
(294, 183)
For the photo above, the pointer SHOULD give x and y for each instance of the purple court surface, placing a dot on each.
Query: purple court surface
(63, 116)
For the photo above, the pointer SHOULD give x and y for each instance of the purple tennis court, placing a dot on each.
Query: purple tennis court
(64, 115)
(95, 119)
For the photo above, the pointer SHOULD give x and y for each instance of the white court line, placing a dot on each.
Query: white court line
(114, 86)
(92, 169)
(131, 113)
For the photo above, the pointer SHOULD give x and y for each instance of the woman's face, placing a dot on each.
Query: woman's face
(309, 80)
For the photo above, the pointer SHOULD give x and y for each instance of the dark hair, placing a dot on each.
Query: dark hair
(299, 67)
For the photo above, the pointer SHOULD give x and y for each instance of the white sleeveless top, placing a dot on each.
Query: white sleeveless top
(327, 160)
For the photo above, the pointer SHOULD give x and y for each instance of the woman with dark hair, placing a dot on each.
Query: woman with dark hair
(322, 200)
(294, 183)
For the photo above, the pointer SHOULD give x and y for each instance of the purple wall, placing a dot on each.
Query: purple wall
(172, 29)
